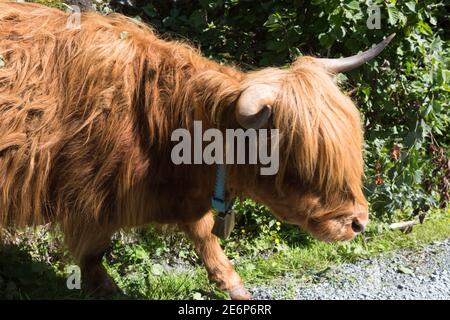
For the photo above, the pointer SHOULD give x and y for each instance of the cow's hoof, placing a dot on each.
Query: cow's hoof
(102, 287)
(239, 293)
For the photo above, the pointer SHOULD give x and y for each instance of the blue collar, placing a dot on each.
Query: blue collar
(218, 200)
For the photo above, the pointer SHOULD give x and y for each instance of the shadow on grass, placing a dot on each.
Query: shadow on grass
(22, 277)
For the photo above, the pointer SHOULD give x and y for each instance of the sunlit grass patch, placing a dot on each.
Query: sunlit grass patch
(148, 265)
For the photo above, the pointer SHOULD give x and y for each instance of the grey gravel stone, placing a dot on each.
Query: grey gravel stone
(376, 278)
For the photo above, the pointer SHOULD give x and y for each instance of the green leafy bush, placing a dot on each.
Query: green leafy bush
(403, 94)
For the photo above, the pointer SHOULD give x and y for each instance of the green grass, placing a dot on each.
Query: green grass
(317, 256)
(51, 3)
(35, 266)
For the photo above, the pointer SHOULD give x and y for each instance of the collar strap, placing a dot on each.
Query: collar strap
(218, 201)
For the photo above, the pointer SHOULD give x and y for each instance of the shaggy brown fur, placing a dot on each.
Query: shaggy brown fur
(85, 122)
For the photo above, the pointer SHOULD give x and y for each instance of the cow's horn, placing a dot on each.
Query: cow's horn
(254, 106)
(350, 63)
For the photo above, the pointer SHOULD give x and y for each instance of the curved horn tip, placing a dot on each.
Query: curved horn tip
(392, 35)
(352, 62)
(389, 38)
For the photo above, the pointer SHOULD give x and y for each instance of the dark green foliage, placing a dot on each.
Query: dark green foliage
(403, 94)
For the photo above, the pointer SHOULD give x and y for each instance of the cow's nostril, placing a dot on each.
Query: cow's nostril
(357, 226)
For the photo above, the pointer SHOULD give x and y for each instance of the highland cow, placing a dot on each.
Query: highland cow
(86, 116)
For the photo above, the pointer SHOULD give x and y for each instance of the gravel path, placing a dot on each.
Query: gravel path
(405, 274)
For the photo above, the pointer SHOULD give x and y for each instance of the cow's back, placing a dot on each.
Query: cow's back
(86, 116)
(66, 94)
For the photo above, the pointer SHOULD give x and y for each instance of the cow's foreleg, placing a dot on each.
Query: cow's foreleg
(220, 269)
(88, 246)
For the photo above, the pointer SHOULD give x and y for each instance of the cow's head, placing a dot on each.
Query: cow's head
(319, 184)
